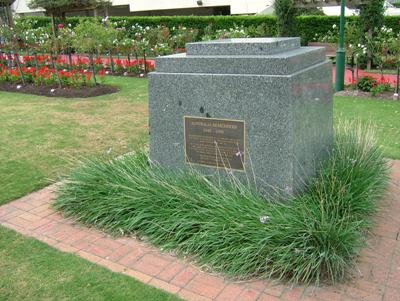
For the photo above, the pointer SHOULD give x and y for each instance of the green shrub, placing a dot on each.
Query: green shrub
(312, 237)
(366, 83)
(383, 87)
(307, 27)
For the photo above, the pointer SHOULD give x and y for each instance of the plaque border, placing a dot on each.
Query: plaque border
(213, 118)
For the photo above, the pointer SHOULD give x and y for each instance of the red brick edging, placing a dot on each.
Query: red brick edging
(375, 278)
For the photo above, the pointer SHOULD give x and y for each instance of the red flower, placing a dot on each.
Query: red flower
(60, 26)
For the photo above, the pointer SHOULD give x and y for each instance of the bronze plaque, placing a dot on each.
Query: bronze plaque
(215, 142)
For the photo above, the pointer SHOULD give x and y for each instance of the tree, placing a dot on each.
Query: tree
(286, 17)
(58, 8)
(372, 15)
(5, 12)
(371, 20)
(286, 12)
(92, 37)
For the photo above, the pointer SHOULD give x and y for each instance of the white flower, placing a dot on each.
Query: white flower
(19, 87)
(288, 190)
(264, 219)
(52, 90)
(334, 26)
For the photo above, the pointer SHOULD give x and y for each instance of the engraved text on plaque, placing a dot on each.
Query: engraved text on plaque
(215, 142)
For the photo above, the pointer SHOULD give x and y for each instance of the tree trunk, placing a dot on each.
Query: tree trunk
(144, 61)
(93, 69)
(36, 62)
(9, 16)
(16, 58)
(111, 62)
(9, 60)
(398, 84)
(357, 68)
(70, 58)
(55, 68)
(369, 54)
(53, 24)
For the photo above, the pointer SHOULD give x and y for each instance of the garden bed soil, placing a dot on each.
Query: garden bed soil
(55, 91)
(357, 93)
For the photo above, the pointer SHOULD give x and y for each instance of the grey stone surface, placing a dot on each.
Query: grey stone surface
(285, 63)
(248, 46)
(285, 100)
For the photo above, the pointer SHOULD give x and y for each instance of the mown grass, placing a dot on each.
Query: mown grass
(40, 135)
(384, 115)
(312, 237)
(30, 270)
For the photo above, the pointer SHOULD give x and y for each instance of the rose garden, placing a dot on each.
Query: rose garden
(198, 158)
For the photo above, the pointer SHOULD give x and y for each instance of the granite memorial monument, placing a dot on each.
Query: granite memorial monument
(259, 108)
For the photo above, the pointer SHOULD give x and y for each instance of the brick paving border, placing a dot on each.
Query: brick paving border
(376, 276)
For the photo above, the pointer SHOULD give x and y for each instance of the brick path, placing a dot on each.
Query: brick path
(376, 277)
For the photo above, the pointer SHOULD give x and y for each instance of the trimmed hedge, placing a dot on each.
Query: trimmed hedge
(307, 26)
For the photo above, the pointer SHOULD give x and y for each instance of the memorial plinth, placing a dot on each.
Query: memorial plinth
(261, 107)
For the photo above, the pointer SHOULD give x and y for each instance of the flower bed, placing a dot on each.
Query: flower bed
(56, 91)
(45, 76)
(65, 76)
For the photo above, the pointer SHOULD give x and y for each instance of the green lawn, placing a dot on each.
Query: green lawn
(383, 114)
(30, 270)
(40, 137)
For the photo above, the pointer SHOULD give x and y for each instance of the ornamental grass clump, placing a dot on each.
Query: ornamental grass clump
(312, 237)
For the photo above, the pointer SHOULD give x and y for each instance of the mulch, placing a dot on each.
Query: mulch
(356, 93)
(55, 91)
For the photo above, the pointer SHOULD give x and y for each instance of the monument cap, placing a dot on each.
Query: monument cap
(243, 46)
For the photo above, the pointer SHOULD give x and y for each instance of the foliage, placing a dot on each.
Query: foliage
(91, 37)
(60, 6)
(379, 88)
(312, 237)
(285, 17)
(384, 46)
(229, 33)
(181, 36)
(372, 16)
(306, 26)
(366, 83)
(352, 34)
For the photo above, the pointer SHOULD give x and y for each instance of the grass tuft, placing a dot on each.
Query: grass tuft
(313, 237)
